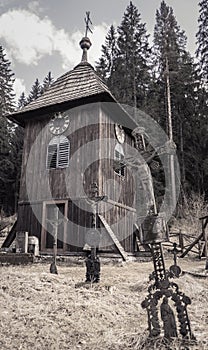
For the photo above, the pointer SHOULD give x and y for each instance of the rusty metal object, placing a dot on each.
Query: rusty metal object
(165, 294)
(175, 269)
(93, 267)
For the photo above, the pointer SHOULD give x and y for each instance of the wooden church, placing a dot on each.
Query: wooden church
(73, 134)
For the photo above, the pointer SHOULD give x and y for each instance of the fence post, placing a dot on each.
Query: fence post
(181, 242)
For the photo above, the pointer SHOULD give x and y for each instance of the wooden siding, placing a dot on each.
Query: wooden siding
(43, 184)
(79, 222)
(121, 190)
(88, 124)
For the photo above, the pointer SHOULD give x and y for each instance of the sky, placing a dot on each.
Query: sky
(43, 35)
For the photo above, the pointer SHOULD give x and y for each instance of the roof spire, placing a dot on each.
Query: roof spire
(85, 43)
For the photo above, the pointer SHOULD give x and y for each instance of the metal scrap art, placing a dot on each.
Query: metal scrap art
(165, 290)
(163, 294)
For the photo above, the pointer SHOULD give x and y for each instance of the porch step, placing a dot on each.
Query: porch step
(16, 258)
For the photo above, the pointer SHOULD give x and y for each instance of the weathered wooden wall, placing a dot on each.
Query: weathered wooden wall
(89, 133)
(41, 184)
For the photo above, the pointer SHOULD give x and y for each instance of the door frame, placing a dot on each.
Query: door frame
(44, 231)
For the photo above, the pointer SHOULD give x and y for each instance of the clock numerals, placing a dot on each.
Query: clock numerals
(59, 123)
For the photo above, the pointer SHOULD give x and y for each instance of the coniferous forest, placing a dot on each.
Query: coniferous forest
(136, 70)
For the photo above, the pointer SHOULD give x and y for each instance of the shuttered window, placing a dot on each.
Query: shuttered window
(58, 152)
(119, 156)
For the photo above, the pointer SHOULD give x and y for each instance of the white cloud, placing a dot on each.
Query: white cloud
(29, 38)
(19, 87)
(34, 6)
(98, 38)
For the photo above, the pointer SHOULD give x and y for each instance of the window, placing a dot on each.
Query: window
(118, 156)
(58, 152)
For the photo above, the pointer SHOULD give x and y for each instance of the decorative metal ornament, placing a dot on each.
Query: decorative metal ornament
(138, 134)
(175, 269)
(59, 123)
(153, 229)
(164, 293)
(92, 238)
(120, 133)
(93, 267)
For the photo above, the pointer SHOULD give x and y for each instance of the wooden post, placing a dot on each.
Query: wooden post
(170, 131)
(192, 245)
(55, 236)
(205, 235)
(181, 242)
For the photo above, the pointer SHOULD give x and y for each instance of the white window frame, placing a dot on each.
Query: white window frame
(118, 156)
(59, 148)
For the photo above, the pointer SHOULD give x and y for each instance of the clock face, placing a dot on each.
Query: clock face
(59, 123)
(120, 133)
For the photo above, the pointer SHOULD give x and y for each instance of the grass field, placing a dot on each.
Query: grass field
(39, 310)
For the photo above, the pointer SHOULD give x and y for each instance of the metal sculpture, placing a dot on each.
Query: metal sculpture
(175, 269)
(153, 231)
(164, 289)
(88, 22)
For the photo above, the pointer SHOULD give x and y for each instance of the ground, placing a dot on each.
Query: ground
(39, 310)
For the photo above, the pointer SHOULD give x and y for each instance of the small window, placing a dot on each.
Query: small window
(119, 156)
(58, 152)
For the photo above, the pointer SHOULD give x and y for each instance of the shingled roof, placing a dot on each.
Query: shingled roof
(79, 83)
(79, 86)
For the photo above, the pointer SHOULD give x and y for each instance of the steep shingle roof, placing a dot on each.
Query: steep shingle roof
(78, 86)
(79, 83)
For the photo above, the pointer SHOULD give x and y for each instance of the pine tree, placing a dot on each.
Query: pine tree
(22, 102)
(17, 140)
(48, 80)
(169, 47)
(6, 85)
(106, 65)
(124, 61)
(35, 92)
(133, 58)
(202, 40)
(174, 66)
(6, 127)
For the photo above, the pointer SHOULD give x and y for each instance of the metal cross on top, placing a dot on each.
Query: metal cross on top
(88, 22)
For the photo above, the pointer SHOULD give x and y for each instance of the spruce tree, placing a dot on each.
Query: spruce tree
(22, 102)
(36, 91)
(133, 58)
(107, 63)
(6, 129)
(174, 65)
(48, 80)
(169, 48)
(202, 40)
(6, 85)
(124, 63)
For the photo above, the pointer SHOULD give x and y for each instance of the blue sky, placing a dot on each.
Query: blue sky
(43, 35)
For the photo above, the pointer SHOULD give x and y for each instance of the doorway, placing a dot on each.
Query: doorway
(54, 224)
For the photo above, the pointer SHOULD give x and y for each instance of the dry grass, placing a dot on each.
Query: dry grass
(57, 312)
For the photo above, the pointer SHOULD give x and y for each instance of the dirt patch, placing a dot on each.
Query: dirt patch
(57, 312)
